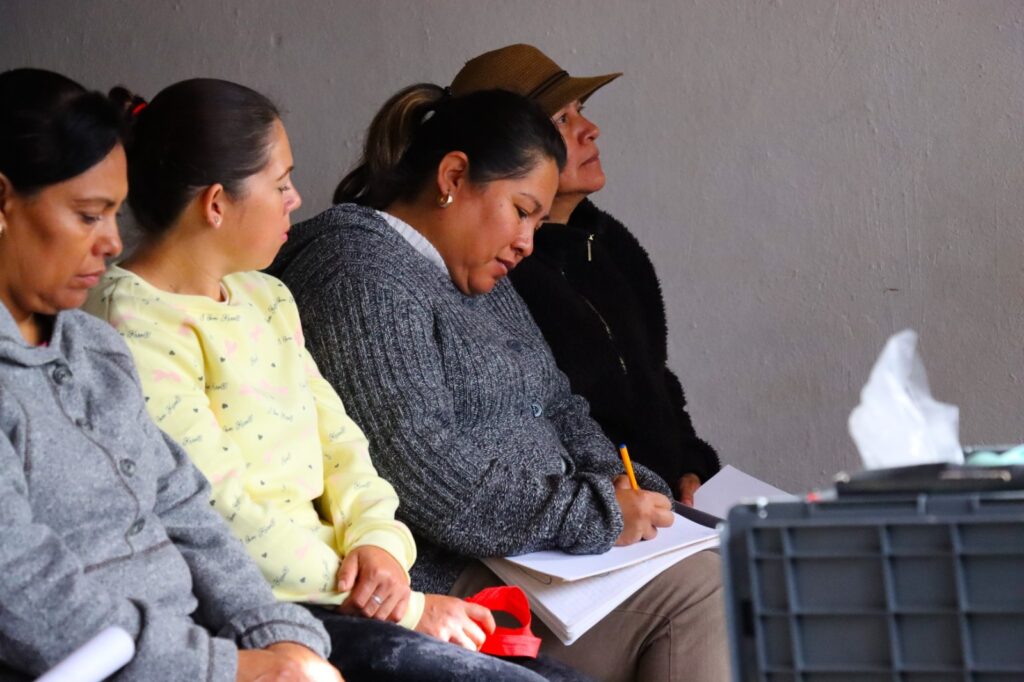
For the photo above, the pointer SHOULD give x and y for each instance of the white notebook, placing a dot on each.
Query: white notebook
(572, 592)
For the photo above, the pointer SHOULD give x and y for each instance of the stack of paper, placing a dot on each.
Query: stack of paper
(571, 593)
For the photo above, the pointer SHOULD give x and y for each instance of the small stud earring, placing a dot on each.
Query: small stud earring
(446, 199)
(216, 220)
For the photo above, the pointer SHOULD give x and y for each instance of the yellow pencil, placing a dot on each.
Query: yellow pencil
(624, 454)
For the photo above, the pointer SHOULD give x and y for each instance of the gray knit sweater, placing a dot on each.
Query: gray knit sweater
(467, 414)
(104, 521)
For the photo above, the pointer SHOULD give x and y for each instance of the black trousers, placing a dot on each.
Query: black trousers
(367, 649)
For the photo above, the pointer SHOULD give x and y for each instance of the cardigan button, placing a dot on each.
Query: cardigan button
(137, 527)
(127, 466)
(536, 409)
(514, 345)
(83, 424)
(62, 375)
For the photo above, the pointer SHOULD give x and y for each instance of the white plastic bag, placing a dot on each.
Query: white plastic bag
(898, 423)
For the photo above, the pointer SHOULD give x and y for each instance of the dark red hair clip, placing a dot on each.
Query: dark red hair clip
(137, 109)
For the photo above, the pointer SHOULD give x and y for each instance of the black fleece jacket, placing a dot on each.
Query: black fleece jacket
(592, 289)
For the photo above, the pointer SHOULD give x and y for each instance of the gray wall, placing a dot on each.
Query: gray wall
(808, 176)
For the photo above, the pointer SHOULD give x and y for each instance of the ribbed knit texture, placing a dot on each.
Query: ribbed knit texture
(468, 416)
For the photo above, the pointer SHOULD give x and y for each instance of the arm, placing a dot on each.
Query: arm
(171, 366)
(698, 457)
(376, 344)
(581, 436)
(51, 606)
(357, 502)
(234, 599)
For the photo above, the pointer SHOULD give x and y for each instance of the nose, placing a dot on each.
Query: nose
(589, 130)
(108, 242)
(523, 245)
(294, 202)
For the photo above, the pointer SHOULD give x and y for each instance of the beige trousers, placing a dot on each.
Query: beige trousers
(672, 630)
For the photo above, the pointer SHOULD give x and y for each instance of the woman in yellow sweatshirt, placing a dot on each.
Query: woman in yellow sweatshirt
(224, 370)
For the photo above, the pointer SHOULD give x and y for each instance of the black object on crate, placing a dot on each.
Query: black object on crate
(912, 588)
(931, 478)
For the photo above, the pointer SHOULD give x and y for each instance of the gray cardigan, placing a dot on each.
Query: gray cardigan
(467, 414)
(104, 521)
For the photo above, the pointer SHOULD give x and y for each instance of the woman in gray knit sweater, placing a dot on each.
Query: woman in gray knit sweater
(409, 315)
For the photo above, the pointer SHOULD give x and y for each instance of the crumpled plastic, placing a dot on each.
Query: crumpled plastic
(898, 422)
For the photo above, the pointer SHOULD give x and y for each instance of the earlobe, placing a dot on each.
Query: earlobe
(212, 203)
(5, 193)
(452, 172)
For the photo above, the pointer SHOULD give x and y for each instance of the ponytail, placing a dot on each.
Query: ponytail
(502, 134)
(388, 139)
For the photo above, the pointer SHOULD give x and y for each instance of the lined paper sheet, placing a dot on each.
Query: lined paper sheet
(572, 608)
(681, 533)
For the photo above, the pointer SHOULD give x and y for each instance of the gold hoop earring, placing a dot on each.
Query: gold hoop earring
(446, 199)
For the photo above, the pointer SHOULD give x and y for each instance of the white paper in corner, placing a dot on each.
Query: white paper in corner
(729, 487)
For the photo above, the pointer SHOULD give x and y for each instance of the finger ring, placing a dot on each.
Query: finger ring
(377, 600)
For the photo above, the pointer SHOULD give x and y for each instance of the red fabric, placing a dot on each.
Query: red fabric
(508, 641)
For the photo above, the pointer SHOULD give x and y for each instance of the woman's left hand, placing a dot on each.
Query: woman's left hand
(377, 584)
(687, 486)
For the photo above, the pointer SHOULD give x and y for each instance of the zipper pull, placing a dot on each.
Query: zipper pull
(590, 240)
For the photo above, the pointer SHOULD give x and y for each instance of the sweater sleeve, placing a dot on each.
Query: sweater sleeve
(376, 343)
(234, 599)
(357, 502)
(581, 436)
(45, 620)
(170, 364)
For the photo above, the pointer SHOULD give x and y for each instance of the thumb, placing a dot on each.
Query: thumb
(482, 616)
(348, 572)
(621, 482)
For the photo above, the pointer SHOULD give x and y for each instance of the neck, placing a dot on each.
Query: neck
(29, 324)
(421, 219)
(563, 206)
(182, 261)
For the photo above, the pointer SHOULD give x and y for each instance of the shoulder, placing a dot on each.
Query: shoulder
(90, 332)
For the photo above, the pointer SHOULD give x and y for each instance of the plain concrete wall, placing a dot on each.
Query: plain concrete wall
(809, 176)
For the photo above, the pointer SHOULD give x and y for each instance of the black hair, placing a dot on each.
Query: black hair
(52, 129)
(503, 134)
(193, 134)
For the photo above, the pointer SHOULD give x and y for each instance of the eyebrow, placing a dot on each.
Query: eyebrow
(536, 204)
(282, 176)
(106, 201)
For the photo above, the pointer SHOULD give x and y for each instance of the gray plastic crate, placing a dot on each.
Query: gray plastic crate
(901, 589)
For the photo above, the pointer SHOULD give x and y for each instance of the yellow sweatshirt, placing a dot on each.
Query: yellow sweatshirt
(233, 383)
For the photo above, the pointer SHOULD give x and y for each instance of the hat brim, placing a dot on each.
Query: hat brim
(570, 89)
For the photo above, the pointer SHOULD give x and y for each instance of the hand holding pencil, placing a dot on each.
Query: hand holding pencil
(643, 511)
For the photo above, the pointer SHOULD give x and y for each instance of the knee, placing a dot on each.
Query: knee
(698, 576)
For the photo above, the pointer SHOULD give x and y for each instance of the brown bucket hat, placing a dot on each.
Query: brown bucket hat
(527, 71)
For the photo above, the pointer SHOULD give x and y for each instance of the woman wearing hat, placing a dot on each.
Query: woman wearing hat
(591, 286)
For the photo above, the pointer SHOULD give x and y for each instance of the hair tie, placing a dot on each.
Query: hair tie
(137, 109)
(447, 92)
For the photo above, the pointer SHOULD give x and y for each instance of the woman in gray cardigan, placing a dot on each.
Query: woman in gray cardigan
(103, 520)
(408, 313)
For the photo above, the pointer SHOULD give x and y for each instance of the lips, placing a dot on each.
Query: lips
(88, 279)
(592, 159)
(508, 265)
